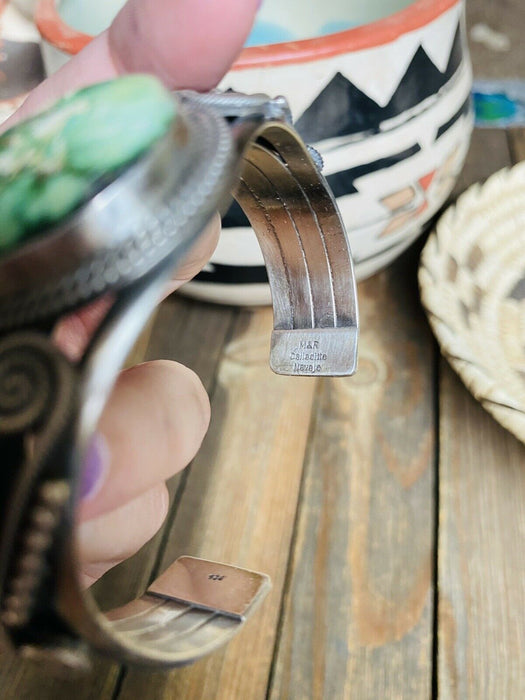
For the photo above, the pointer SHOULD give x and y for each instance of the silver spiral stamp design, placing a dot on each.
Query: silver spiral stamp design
(27, 380)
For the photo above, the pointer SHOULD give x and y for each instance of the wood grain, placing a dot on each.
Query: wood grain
(481, 569)
(489, 152)
(330, 487)
(21, 680)
(358, 611)
(481, 545)
(194, 334)
(506, 18)
(239, 506)
(516, 137)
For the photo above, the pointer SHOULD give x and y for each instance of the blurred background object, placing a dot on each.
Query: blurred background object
(472, 281)
(21, 67)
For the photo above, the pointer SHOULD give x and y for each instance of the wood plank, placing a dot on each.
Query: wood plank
(194, 334)
(239, 506)
(481, 545)
(481, 570)
(138, 353)
(358, 612)
(516, 137)
(20, 680)
(489, 152)
(506, 18)
(186, 331)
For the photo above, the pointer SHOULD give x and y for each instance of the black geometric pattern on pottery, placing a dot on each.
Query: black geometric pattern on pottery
(463, 110)
(342, 109)
(252, 274)
(21, 68)
(456, 55)
(234, 274)
(421, 80)
(342, 183)
(235, 217)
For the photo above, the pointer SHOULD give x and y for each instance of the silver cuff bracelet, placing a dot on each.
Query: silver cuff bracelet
(127, 241)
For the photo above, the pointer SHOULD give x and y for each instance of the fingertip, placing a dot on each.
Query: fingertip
(198, 256)
(187, 44)
(154, 424)
(194, 391)
(108, 539)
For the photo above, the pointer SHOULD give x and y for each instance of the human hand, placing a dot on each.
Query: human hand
(158, 413)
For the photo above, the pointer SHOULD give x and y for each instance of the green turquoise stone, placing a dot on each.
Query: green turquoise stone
(55, 161)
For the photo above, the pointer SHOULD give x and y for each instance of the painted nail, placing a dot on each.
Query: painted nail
(95, 467)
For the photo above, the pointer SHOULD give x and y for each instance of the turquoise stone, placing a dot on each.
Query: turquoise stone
(55, 161)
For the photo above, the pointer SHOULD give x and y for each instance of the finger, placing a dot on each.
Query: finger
(198, 255)
(186, 43)
(74, 331)
(105, 541)
(151, 428)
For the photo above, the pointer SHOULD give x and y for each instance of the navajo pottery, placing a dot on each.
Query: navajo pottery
(381, 89)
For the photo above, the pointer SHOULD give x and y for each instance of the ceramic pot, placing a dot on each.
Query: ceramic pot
(381, 89)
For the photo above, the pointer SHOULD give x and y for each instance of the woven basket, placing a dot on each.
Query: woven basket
(472, 282)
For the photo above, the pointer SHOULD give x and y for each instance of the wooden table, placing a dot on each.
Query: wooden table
(388, 508)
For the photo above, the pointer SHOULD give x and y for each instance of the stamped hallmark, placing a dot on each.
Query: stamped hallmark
(323, 352)
(307, 357)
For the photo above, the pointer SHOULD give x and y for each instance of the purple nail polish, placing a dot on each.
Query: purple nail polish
(95, 467)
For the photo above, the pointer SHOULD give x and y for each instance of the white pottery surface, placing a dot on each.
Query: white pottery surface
(392, 122)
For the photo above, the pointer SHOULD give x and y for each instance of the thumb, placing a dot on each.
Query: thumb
(186, 43)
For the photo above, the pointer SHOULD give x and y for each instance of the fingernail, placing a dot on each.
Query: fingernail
(95, 467)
